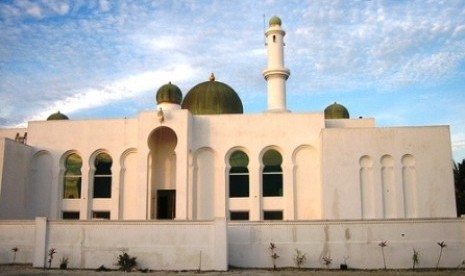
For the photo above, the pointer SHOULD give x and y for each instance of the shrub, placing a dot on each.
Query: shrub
(273, 255)
(299, 258)
(125, 262)
(64, 263)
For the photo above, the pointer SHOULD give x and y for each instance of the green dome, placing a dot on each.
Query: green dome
(275, 21)
(212, 97)
(169, 93)
(336, 111)
(57, 116)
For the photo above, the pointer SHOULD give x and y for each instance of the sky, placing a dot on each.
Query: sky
(400, 62)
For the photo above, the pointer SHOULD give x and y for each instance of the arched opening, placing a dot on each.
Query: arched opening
(72, 178)
(102, 176)
(272, 174)
(238, 174)
(162, 170)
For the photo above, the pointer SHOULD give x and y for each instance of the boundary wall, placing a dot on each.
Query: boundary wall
(173, 245)
(213, 245)
(353, 242)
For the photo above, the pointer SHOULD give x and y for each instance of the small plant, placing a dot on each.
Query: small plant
(125, 262)
(299, 258)
(273, 255)
(51, 252)
(442, 245)
(15, 250)
(415, 258)
(383, 244)
(344, 265)
(327, 260)
(64, 263)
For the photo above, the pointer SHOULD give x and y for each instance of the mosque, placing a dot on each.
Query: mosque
(200, 158)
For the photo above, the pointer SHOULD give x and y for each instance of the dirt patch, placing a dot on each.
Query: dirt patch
(27, 269)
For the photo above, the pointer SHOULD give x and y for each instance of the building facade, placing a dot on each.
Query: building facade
(198, 157)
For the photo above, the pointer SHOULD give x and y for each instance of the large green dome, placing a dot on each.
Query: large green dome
(169, 93)
(57, 116)
(212, 97)
(336, 111)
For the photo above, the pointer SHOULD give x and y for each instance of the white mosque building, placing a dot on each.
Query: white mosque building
(320, 181)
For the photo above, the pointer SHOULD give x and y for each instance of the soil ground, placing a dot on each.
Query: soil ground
(13, 270)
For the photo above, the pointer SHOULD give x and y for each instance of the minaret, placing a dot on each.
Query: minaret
(276, 74)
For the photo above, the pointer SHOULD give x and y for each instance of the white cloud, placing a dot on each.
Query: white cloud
(104, 5)
(34, 10)
(458, 141)
(126, 88)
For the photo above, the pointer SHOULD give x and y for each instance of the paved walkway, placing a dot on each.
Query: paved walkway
(14, 270)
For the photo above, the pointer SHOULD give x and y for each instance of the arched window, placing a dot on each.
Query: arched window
(102, 176)
(72, 179)
(272, 174)
(238, 174)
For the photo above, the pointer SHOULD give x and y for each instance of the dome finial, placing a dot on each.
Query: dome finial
(212, 77)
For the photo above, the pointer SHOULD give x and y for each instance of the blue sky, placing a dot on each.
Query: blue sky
(401, 62)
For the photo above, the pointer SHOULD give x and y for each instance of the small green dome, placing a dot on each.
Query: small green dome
(275, 21)
(169, 93)
(212, 97)
(336, 111)
(57, 116)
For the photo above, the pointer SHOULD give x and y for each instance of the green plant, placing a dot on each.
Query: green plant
(299, 258)
(383, 244)
(327, 260)
(125, 262)
(15, 250)
(415, 258)
(273, 255)
(64, 263)
(51, 252)
(344, 265)
(442, 245)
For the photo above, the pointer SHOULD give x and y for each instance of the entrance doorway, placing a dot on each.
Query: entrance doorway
(166, 204)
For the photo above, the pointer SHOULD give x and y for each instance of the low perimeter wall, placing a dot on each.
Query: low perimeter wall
(213, 245)
(172, 245)
(356, 242)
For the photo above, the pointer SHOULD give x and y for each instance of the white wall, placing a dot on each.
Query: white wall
(19, 234)
(14, 178)
(390, 151)
(349, 123)
(90, 244)
(358, 240)
(254, 134)
(177, 245)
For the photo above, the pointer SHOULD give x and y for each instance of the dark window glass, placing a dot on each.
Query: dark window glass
(273, 215)
(70, 215)
(102, 176)
(72, 179)
(239, 174)
(272, 174)
(166, 204)
(239, 215)
(101, 215)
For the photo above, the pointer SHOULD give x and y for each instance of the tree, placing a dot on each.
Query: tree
(459, 176)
